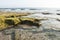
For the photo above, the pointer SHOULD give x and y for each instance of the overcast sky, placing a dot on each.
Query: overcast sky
(29, 3)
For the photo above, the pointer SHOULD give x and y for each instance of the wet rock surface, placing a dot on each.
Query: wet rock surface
(30, 34)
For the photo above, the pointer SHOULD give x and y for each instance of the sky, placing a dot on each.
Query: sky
(29, 3)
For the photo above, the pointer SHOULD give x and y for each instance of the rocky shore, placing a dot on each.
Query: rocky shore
(49, 30)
